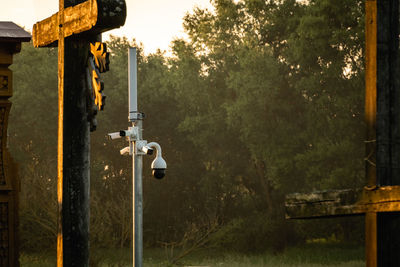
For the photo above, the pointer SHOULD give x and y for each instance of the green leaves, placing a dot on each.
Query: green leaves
(264, 99)
(280, 75)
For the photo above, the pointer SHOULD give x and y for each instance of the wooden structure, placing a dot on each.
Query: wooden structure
(11, 37)
(379, 200)
(78, 24)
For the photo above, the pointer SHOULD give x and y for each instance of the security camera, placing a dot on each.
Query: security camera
(158, 166)
(147, 150)
(125, 151)
(132, 132)
(115, 135)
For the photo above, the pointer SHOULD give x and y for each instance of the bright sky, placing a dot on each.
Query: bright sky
(155, 23)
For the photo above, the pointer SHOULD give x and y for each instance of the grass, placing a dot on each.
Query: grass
(310, 255)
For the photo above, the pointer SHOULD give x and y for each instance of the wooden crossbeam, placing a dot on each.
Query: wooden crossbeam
(77, 19)
(94, 16)
(342, 202)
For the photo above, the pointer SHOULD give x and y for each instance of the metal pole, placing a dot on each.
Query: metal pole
(137, 148)
(132, 69)
(137, 164)
(138, 204)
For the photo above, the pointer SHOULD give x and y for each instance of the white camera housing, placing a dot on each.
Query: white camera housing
(125, 151)
(147, 150)
(158, 166)
(113, 136)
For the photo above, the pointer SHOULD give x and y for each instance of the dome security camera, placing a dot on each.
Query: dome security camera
(158, 166)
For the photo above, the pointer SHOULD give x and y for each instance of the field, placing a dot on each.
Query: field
(314, 255)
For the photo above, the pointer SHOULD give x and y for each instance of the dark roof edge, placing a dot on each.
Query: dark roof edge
(11, 32)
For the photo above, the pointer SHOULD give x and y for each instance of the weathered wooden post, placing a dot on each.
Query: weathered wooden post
(75, 29)
(11, 37)
(379, 200)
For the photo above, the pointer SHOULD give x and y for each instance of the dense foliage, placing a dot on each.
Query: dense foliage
(265, 98)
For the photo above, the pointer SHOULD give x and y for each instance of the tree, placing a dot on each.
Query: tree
(264, 99)
(290, 79)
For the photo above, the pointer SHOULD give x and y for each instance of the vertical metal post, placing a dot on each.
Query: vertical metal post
(137, 148)
(132, 69)
(137, 164)
(137, 204)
